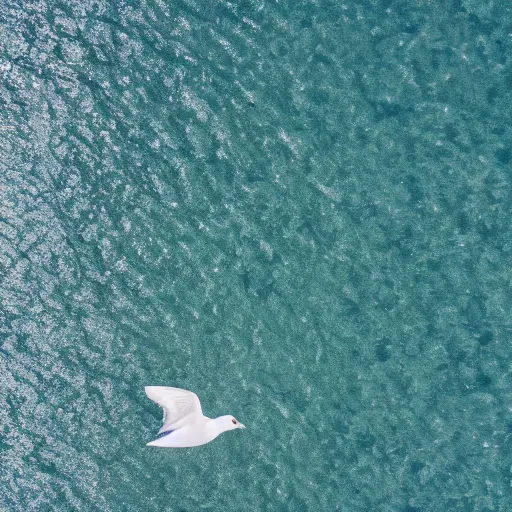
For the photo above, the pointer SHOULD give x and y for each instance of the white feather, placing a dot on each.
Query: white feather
(180, 406)
(184, 418)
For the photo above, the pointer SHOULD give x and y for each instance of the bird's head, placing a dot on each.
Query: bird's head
(229, 423)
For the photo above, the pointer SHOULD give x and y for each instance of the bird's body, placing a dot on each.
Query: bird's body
(185, 425)
(193, 434)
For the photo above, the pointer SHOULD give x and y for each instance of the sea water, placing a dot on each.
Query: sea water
(301, 211)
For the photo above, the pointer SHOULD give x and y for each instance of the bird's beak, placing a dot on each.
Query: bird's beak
(241, 425)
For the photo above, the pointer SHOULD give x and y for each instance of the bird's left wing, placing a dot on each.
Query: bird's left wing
(180, 406)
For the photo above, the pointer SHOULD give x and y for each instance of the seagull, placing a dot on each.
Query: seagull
(185, 425)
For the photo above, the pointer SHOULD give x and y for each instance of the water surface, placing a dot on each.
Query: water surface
(300, 211)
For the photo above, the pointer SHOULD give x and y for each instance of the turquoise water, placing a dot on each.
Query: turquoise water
(300, 211)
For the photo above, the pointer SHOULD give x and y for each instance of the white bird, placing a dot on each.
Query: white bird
(184, 423)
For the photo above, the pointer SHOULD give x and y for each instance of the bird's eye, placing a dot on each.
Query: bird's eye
(233, 421)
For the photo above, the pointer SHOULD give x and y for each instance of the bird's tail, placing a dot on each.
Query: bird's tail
(161, 441)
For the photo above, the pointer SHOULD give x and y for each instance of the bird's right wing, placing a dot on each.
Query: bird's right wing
(180, 406)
